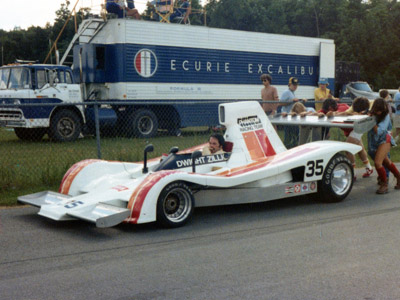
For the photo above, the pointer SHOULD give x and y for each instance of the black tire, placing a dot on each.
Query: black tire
(65, 126)
(143, 123)
(175, 205)
(337, 180)
(30, 134)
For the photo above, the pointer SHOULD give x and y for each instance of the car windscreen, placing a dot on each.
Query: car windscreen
(4, 75)
(361, 86)
(19, 79)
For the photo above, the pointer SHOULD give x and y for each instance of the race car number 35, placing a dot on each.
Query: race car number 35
(314, 168)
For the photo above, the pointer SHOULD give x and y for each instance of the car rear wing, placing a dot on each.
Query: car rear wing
(359, 123)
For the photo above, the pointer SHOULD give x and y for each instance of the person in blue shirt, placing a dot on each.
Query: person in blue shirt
(118, 7)
(288, 99)
(380, 141)
(289, 96)
(184, 9)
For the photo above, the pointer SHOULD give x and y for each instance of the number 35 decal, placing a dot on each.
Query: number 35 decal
(314, 168)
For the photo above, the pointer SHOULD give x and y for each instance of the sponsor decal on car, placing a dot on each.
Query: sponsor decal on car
(304, 187)
(119, 188)
(201, 160)
(249, 123)
(289, 190)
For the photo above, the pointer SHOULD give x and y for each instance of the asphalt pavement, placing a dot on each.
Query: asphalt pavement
(286, 249)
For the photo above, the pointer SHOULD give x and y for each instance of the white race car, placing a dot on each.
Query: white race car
(257, 167)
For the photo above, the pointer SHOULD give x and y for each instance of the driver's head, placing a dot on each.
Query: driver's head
(216, 142)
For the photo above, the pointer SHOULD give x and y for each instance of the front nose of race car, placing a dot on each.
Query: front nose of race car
(104, 205)
(62, 211)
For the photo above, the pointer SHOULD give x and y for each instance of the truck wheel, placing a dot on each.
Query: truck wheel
(144, 124)
(174, 131)
(175, 205)
(337, 180)
(30, 134)
(65, 126)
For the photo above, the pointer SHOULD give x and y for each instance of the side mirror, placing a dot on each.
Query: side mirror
(148, 148)
(195, 154)
(174, 150)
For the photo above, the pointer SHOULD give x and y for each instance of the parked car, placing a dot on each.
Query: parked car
(359, 89)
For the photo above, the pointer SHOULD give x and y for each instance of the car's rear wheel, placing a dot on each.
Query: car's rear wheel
(337, 180)
(175, 205)
(143, 124)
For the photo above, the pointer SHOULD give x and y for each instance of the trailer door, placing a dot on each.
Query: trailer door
(327, 62)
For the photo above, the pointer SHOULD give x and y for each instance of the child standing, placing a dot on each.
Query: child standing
(380, 140)
(360, 106)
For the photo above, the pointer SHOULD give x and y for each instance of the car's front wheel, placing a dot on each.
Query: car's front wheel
(175, 205)
(337, 180)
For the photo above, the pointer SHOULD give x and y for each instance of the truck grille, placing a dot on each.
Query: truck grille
(10, 114)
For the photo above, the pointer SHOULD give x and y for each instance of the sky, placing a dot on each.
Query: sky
(26, 13)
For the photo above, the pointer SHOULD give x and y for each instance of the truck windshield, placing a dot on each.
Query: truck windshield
(19, 79)
(4, 75)
(362, 86)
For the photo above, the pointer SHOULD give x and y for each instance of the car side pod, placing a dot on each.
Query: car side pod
(195, 155)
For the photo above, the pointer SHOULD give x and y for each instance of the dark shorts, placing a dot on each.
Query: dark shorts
(114, 8)
(131, 4)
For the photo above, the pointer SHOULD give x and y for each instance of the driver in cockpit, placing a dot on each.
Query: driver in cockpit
(215, 145)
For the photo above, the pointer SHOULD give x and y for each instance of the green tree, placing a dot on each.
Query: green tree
(370, 38)
(64, 25)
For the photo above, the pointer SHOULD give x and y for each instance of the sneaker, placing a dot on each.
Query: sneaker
(368, 172)
(397, 186)
(383, 188)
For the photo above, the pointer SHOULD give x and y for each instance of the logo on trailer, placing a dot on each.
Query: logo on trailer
(145, 63)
